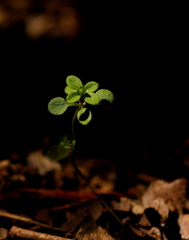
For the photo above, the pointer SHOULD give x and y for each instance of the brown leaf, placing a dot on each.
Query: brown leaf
(90, 231)
(183, 222)
(128, 204)
(42, 215)
(153, 232)
(3, 233)
(94, 210)
(156, 215)
(156, 233)
(173, 193)
(160, 206)
(124, 204)
(36, 160)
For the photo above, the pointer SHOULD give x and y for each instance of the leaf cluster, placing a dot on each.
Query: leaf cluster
(79, 95)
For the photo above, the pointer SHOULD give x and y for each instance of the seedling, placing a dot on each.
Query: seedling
(78, 95)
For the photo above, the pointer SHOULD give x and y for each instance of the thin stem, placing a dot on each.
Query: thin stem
(73, 123)
(72, 158)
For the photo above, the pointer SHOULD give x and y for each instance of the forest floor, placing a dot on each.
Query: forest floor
(43, 199)
(149, 196)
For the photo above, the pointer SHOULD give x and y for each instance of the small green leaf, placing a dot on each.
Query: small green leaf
(106, 96)
(70, 144)
(92, 98)
(73, 82)
(57, 106)
(91, 87)
(57, 153)
(80, 90)
(84, 116)
(68, 90)
(73, 97)
(63, 140)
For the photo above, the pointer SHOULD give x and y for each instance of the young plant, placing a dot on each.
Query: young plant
(78, 95)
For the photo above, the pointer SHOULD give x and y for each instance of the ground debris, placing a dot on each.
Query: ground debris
(62, 206)
(90, 231)
(173, 193)
(16, 232)
(3, 233)
(184, 226)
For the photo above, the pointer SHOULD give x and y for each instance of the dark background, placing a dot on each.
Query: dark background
(136, 49)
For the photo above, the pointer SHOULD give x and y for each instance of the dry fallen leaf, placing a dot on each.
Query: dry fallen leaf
(173, 193)
(3, 233)
(183, 222)
(156, 215)
(93, 209)
(159, 199)
(90, 231)
(41, 164)
(162, 208)
(127, 204)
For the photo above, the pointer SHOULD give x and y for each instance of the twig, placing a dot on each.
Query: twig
(29, 220)
(28, 234)
(42, 193)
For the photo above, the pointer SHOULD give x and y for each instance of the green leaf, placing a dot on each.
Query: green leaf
(57, 106)
(92, 98)
(91, 87)
(80, 90)
(106, 96)
(73, 82)
(67, 143)
(70, 144)
(68, 90)
(84, 116)
(72, 104)
(63, 140)
(57, 153)
(73, 97)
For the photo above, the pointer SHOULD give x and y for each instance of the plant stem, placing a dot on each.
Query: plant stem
(72, 158)
(73, 123)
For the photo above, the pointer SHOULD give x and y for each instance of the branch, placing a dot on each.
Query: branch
(29, 220)
(16, 232)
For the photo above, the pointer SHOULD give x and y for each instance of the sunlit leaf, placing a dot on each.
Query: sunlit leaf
(73, 97)
(73, 82)
(84, 116)
(92, 98)
(106, 96)
(57, 106)
(68, 90)
(91, 87)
